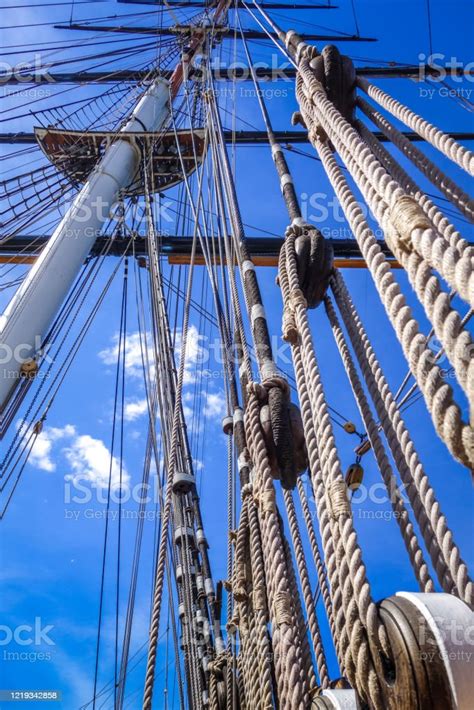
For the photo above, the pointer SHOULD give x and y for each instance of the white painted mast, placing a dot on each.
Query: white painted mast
(34, 306)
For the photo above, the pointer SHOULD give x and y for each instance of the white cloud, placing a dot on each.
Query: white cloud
(195, 353)
(135, 409)
(40, 455)
(214, 404)
(90, 460)
(133, 353)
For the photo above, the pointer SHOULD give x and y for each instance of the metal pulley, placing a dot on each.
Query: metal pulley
(336, 699)
(182, 482)
(228, 425)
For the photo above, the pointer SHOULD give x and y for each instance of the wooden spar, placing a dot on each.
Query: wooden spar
(233, 73)
(247, 138)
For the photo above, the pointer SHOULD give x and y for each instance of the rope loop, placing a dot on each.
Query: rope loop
(256, 390)
(217, 665)
(277, 380)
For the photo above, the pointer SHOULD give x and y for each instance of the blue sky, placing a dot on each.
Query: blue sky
(51, 547)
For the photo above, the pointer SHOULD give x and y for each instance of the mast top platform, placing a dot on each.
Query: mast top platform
(76, 153)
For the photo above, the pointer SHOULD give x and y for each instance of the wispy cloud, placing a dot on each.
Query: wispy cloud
(40, 455)
(134, 409)
(133, 353)
(214, 404)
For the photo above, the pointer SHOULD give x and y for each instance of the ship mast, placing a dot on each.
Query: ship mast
(25, 322)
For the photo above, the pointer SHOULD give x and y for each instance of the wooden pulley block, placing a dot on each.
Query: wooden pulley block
(429, 638)
(354, 476)
(349, 427)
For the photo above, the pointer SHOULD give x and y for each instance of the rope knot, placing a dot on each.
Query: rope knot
(283, 610)
(338, 500)
(266, 501)
(276, 380)
(259, 598)
(232, 625)
(239, 587)
(405, 216)
(217, 665)
(255, 389)
(297, 298)
(246, 491)
(317, 134)
(289, 327)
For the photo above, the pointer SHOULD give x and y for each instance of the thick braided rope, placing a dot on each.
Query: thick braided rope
(439, 220)
(256, 680)
(307, 591)
(351, 636)
(336, 615)
(447, 323)
(362, 620)
(387, 199)
(252, 653)
(308, 667)
(435, 175)
(384, 195)
(260, 606)
(444, 143)
(438, 395)
(407, 530)
(213, 696)
(270, 583)
(231, 687)
(292, 690)
(163, 543)
(247, 651)
(445, 556)
(316, 554)
(333, 598)
(244, 704)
